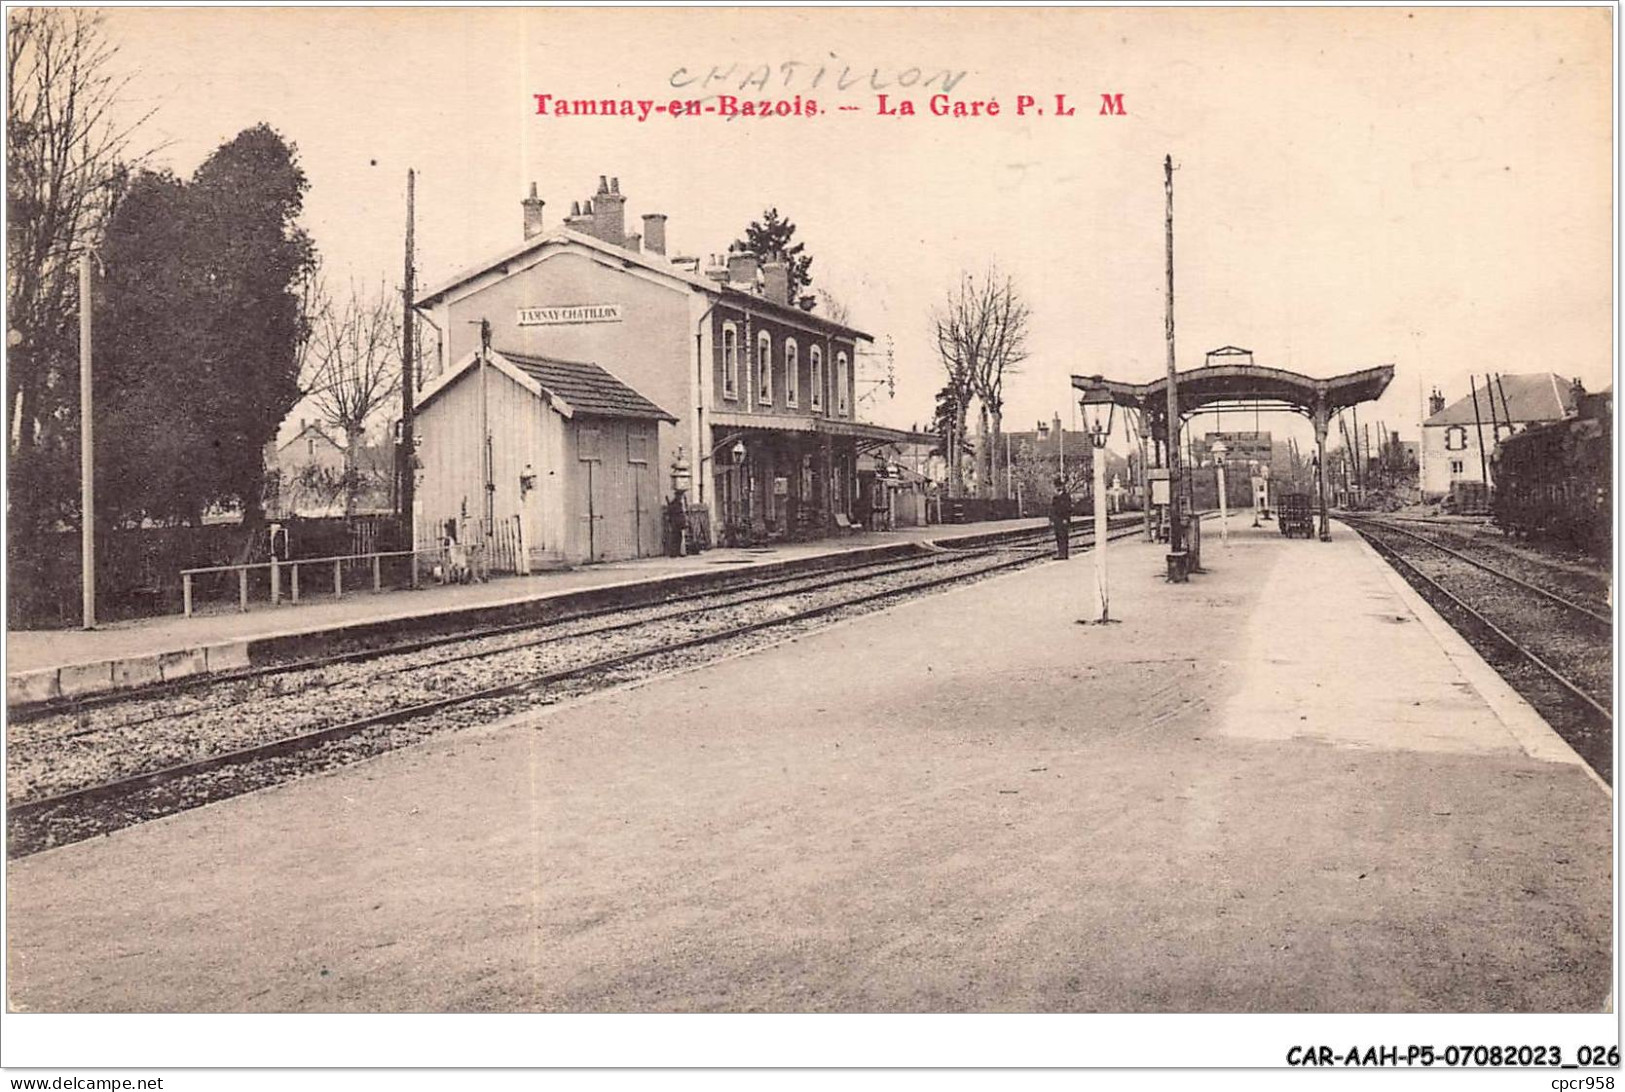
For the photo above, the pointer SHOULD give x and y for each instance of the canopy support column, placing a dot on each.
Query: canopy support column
(1321, 421)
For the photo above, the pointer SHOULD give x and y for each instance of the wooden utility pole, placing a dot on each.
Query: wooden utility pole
(406, 461)
(1177, 570)
(87, 447)
(1478, 425)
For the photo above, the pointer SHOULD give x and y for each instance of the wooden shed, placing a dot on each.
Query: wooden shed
(575, 474)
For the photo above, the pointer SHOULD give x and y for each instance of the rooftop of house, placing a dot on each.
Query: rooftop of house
(1542, 396)
(602, 229)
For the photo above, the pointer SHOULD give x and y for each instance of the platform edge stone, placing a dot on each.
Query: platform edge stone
(76, 679)
(33, 686)
(179, 665)
(231, 656)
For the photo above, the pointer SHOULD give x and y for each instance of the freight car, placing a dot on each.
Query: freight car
(1555, 481)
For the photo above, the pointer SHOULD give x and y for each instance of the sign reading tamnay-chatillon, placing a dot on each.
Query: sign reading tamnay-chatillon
(558, 316)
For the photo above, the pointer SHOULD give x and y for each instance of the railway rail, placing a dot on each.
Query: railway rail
(1555, 650)
(79, 777)
(79, 704)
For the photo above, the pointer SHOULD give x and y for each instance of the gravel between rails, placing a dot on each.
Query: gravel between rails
(1575, 646)
(1585, 583)
(62, 765)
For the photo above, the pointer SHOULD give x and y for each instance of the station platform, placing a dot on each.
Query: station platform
(44, 664)
(1285, 786)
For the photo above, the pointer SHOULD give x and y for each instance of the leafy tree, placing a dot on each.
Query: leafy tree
(202, 328)
(769, 238)
(252, 258)
(152, 447)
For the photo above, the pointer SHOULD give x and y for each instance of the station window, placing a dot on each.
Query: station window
(637, 445)
(587, 445)
(730, 360)
(840, 384)
(764, 368)
(817, 384)
(1456, 466)
(1455, 438)
(792, 373)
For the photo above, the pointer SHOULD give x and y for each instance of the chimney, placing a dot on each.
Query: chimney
(579, 220)
(717, 271)
(742, 271)
(654, 232)
(634, 243)
(776, 278)
(609, 212)
(533, 213)
(1435, 402)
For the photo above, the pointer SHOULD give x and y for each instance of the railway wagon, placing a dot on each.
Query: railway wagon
(1554, 481)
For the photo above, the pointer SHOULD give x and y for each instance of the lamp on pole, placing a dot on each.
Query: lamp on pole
(1220, 450)
(1098, 410)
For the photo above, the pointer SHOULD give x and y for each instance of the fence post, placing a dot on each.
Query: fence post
(276, 583)
(338, 579)
(377, 575)
(293, 580)
(242, 590)
(186, 593)
(412, 561)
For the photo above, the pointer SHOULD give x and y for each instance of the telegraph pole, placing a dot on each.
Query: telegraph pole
(407, 458)
(87, 465)
(1177, 561)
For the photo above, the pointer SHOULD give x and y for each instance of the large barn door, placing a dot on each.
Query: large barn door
(589, 505)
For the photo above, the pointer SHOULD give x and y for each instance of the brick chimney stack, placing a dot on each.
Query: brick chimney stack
(533, 213)
(742, 271)
(609, 212)
(776, 280)
(579, 220)
(654, 232)
(1435, 402)
(716, 271)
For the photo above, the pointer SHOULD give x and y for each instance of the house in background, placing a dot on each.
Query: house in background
(1457, 438)
(305, 476)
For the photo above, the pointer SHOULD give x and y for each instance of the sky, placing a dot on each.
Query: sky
(1428, 188)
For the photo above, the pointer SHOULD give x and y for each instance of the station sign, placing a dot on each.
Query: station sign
(570, 315)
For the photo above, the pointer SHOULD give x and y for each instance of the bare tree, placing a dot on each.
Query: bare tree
(353, 364)
(67, 157)
(981, 339)
(834, 309)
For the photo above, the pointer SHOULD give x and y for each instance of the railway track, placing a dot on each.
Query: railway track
(1551, 646)
(82, 704)
(78, 776)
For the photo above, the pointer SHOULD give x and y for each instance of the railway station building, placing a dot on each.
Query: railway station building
(752, 393)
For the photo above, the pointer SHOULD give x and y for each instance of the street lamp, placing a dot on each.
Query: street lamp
(1098, 410)
(1220, 450)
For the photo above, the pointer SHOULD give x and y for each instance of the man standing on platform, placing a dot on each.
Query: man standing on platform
(1060, 518)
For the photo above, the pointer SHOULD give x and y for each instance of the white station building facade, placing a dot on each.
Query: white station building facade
(606, 357)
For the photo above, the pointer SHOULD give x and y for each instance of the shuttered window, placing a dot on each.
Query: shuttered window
(587, 445)
(637, 445)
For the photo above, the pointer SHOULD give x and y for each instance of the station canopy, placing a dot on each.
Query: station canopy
(1230, 380)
